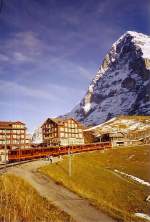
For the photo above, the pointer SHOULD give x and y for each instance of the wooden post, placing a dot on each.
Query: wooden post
(69, 156)
(5, 150)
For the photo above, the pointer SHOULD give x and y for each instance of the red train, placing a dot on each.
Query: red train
(41, 152)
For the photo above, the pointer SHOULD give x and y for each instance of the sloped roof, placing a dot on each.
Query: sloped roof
(11, 122)
(61, 121)
(58, 121)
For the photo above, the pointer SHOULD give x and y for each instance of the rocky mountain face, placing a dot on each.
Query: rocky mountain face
(122, 83)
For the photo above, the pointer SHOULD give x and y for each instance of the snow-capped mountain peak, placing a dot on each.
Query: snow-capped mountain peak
(121, 84)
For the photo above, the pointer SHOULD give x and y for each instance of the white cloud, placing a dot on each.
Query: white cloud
(11, 88)
(21, 47)
(51, 92)
(4, 58)
(20, 57)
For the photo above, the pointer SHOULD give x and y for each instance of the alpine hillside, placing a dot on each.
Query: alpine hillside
(121, 85)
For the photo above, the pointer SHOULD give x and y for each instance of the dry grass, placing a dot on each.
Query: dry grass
(19, 202)
(93, 177)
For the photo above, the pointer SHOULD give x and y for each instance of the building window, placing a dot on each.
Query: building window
(61, 134)
(80, 135)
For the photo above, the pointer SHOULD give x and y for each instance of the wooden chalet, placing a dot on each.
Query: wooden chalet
(62, 131)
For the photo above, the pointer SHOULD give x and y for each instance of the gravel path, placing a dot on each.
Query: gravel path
(80, 209)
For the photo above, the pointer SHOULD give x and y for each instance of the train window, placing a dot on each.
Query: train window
(13, 152)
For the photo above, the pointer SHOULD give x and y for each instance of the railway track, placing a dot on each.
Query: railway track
(17, 157)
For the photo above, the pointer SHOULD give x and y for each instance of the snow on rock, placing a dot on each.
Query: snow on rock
(87, 107)
(122, 124)
(148, 199)
(37, 136)
(142, 215)
(133, 178)
(121, 85)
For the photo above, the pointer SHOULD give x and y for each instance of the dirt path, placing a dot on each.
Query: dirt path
(80, 209)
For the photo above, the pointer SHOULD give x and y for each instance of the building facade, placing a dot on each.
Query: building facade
(13, 135)
(89, 137)
(58, 131)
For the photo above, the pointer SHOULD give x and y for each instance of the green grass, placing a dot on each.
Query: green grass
(19, 202)
(93, 177)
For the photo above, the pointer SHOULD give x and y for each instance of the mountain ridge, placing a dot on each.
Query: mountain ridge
(121, 85)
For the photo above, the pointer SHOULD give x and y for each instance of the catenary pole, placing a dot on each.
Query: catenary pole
(69, 159)
(5, 150)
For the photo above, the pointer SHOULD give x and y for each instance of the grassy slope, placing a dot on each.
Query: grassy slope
(19, 202)
(93, 177)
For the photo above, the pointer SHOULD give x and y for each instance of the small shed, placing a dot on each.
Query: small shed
(116, 138)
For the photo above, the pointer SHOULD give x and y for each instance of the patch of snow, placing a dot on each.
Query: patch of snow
(133, 178)
(146, 51)
(37, 136)
(148, 198)
(143, 41)
(87, 107)
(142, 215)
(102, 124)
(130, 157)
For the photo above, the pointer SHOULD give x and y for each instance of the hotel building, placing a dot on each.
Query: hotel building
(60, 131)
(13, 135)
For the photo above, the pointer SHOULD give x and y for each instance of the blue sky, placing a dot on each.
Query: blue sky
(51, 49)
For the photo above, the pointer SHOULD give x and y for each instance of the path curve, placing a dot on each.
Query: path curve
(80, 209)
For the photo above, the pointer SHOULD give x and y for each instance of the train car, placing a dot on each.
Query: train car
(32, 153)
(42, 152)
